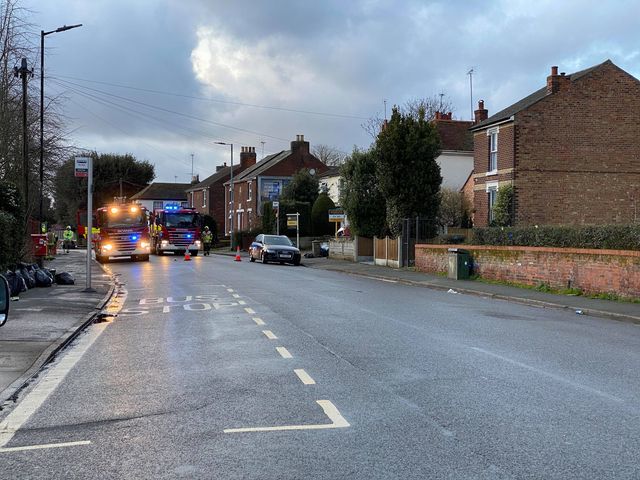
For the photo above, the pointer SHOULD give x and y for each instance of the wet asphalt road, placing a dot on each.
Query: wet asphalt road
(413, 383)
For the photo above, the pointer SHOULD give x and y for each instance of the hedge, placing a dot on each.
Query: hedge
(615, 237)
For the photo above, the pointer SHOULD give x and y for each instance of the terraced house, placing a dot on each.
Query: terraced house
(571, 150)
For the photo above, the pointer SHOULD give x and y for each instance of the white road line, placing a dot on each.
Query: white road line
(269, 334)
(241, 302)
(250, 311)
(304, 376)
(258, 321)
(235, 295)
(550, 375)
(52, 378)
(330, 410)
(34, 400)
(230, 290)
(284, 353)
(47, 445)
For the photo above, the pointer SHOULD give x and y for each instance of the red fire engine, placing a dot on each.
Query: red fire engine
(175, 229)
(122, 231)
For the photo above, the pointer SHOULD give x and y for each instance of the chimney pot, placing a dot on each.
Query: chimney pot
(554, 70)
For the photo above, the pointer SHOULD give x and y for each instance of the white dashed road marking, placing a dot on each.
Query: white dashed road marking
(269, 334)
(258, 321)
(250, 311)
(47, 445)
(304, 376)
(284, 353)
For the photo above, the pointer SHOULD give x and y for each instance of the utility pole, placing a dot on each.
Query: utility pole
(441, 95)
(384, 100)
(192, 167)
(470, 73)
(24, 73)
(262, 142)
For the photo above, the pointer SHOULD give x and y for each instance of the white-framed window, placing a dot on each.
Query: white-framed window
(492, 194)
(493, 150)
(157, 205)
(204, 197)
(192, 202)
(249, 190)
(184, 204)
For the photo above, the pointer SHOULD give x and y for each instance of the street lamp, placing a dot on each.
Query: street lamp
(231, 186)
(42, 35)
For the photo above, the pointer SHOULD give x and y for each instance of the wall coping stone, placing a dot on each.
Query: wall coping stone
(512, 248)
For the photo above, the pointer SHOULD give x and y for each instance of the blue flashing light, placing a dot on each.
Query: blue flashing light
(134, 237)
(189, 235)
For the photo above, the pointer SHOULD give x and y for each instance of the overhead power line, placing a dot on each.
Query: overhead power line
(186, 115)
(216, 100)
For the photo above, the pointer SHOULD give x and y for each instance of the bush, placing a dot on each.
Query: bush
(503, 208)
(615, 237)
(303, 208)
(320, 224)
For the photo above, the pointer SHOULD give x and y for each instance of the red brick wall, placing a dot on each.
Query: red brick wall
(592, 271)
(578, 152)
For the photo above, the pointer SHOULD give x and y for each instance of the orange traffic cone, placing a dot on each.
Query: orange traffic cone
(187, 255)
(238, 254)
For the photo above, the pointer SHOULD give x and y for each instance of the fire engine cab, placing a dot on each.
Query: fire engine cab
(175, 229)
(122, 231)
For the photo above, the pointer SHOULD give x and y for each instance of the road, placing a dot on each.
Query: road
(235, 370)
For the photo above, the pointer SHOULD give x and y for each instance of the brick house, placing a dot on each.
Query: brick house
(264, 181)
(208, 196)
(571, 150)
(157, 195)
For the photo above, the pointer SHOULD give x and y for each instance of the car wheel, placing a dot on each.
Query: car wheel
(296, 262)
(194, 253)
(251, 259)
(263, 258)
(144, 258)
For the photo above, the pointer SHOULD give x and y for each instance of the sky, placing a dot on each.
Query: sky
(165, 79)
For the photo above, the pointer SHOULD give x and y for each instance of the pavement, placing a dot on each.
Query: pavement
(44, 320)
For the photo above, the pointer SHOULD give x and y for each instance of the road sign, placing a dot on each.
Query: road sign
(336, 215)
(292, 220)
(82, 167)
(276, 204)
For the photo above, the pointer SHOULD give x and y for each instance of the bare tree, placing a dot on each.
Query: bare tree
(17, 42)
(329, 155)
(412, 107)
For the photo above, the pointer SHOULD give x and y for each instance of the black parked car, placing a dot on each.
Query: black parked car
(274, 248)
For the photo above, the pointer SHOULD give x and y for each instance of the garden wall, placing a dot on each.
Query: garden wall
(592, 271)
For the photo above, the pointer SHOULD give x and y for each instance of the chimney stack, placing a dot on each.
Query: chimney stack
(195, 179)
(481, 113)
(247, 157)
(557, 83)
(300, 144)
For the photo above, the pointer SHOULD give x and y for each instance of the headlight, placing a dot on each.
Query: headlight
(165, 243)
(269, 250)
(144, 244)
(197, 242)
(107, 247)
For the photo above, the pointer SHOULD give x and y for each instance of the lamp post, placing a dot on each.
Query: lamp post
(42, 35)
(231, 188)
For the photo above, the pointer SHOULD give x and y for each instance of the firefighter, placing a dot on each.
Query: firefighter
(207, 238)
(68, 238)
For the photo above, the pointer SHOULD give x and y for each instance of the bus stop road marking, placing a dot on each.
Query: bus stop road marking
(330, 410)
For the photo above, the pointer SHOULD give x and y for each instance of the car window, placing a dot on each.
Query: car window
(277, 240)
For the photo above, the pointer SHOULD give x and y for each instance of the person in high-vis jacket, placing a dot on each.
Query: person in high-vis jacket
(67, 238)
(207, 239)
